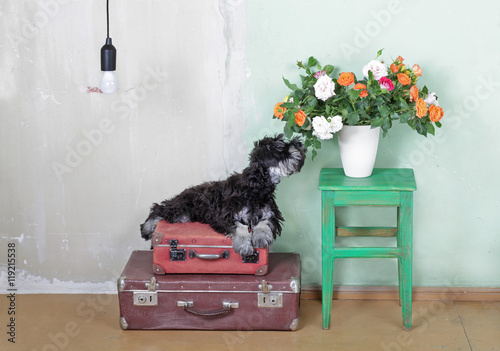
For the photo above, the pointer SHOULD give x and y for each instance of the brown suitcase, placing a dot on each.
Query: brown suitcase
(210, 302)
(193, 247)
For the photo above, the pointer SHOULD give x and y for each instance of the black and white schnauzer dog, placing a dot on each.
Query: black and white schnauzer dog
(241, 207)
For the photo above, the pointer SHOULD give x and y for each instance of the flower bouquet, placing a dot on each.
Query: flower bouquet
(326, 102)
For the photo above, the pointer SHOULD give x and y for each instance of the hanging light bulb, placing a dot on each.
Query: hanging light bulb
(108, 83)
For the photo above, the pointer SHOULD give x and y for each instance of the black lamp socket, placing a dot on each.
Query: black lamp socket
(108, 56)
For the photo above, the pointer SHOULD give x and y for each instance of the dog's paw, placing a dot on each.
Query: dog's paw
(243, 249)
(262, 236)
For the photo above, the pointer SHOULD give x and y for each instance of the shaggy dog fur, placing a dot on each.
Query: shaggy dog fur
(242, 206)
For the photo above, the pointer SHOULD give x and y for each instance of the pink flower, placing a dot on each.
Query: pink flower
(319, 74)
(386, 83)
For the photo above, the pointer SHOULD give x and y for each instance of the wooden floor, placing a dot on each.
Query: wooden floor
(90, 322)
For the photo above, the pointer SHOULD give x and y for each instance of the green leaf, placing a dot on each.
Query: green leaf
(403, 104)
(379, 53)
(430, 128)
(387, 124)
(329, 69)
(354, 94)
(314, 153)
(384, 110)
(394, 116)
(288, 132)
(290, 85)
(405, 116)
(312, 62)
(438, 124)
(421, 129)
(353, 118)
(288, 105)
(313, 102)
(317, 143)
(289, 113)
(377, 122)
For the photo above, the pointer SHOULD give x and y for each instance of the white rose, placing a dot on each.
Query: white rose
(321, 128)
(324, 88)
(335, 124)
(431, 99)
(378, 69)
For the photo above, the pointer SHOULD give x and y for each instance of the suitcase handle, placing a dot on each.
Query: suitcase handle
(227, 307)
(224, 254)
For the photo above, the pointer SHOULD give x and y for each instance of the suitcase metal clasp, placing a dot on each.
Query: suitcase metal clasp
(253, 258)
(175, 253)
(149, 297)
(267, 298)
(265, 287)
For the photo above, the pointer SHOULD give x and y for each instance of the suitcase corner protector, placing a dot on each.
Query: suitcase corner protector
(124, 325)
(295, 285)
(120, 284)
(295, 324)
(156, 239)
(157, 269)
(262, 270)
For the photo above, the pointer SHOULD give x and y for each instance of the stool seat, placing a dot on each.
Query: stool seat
(385, 187)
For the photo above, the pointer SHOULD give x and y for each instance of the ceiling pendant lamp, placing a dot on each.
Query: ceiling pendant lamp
(108, 83)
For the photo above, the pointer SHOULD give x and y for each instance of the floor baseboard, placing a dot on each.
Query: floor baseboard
(311, 292)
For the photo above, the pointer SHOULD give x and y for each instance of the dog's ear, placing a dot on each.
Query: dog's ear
(279, 137)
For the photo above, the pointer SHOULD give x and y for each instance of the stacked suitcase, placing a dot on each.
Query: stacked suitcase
(193, 279)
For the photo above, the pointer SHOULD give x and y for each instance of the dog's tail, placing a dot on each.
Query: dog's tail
(149, 226)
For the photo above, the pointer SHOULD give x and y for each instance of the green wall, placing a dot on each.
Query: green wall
(457, 204)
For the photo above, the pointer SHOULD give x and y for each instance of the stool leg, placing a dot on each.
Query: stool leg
(405, 233)
(328, 243)
(400, 271)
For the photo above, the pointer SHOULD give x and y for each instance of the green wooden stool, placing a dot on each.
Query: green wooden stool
(385, 187)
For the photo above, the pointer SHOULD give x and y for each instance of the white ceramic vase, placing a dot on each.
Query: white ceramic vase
(358, 149)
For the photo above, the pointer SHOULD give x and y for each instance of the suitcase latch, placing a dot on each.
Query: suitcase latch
(270, 300)
(265, 287)
(149, 297)
(253, 258)
(267, 298)
(175, 253)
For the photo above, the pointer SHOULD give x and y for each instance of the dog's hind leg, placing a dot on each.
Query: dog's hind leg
(242, 240)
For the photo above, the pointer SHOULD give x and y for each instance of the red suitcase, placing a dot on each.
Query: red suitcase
(210, 302)
(196, 248)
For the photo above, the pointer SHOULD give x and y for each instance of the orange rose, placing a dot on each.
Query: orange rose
(300, 118)
(417, 70)
(279, 111)
(413, 93)
(435, 113)
(394, 68)
(364, 93)
(421, 108)
(404, 79)
(359, 86)
(399, 59)
(346, 78)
